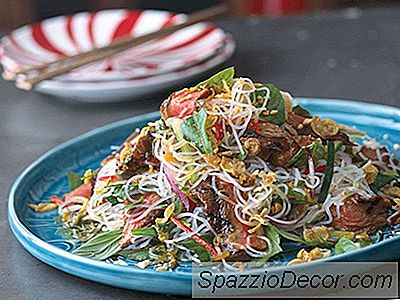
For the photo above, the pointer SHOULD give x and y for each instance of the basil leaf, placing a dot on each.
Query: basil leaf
(216, 81)
(133, 204)
(383, 178)
(74, 180)
(326, 184)
(296, 196)
(291, 236)
(299, 159)
(200, 251)
(272, 234)
(145, 231)
(137, 254)
(317, 152)
(344, 245)
(194, 131)
(275, 103)
(298, 110)
(101, 246)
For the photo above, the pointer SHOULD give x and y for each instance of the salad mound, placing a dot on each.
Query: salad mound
(232, 171)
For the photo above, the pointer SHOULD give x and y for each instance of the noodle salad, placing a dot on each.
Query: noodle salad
(233, 171)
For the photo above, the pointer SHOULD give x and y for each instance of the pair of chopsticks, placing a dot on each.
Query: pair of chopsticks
(27, 78)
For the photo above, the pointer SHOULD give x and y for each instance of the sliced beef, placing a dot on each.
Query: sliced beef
(222, 217)
(277, 145)
(182, 103)
(361, 215)
(139, 157)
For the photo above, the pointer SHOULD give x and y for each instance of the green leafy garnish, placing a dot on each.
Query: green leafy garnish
(136, 254)
(326, 184)
(272, 234)
(275, 106)
(145, 231)
(290, 236)
(117, 193)
(383, 178)
(200, 251)
(101, 246)
(344, 245)
(194, 131)
(316, 150)
(301, 111)
(243, 155)
(133, 204)
(74, 180)
(217, 80)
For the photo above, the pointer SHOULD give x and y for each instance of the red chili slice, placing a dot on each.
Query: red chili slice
(197, 238)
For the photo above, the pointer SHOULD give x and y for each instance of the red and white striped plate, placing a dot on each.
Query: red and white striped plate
(67, 35)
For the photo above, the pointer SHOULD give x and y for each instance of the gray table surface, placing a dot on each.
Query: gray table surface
(350, 54)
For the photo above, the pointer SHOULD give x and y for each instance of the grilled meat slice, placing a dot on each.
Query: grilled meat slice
(361, 215)
(222, 217)
(135, 156)
(182, 103)
(276, 144)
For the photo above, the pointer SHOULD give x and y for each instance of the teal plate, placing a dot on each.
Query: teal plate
(37, 232)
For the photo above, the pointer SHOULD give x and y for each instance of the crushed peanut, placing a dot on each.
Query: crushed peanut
(43, 207)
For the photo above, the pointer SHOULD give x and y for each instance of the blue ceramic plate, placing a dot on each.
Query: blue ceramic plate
(46, 176)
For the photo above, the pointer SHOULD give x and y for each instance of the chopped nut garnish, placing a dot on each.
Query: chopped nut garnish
(43, 207)
(213, 160)
(314, 254)
(370, 172)
(277, 207)
(317, 233)
(324, 127)
(234, 167)
(300, 126)
(253, 146)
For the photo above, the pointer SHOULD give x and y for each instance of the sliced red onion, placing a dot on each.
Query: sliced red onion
(187, 202)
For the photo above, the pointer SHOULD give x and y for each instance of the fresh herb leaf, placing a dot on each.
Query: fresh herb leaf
(345, 245)
(194, 131)
(136, 254)
(200, 251)
(275, 106)
(74, 180)
(117, 193)
(326, 184)
(316, 150)
(295, 196)
(243, 155)
(301, 111)
(101, 246)
(144, 231)
(291, 236)
(298, 160)
(216, 81)
(272, 234)
(133, 204)
(383, 178)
